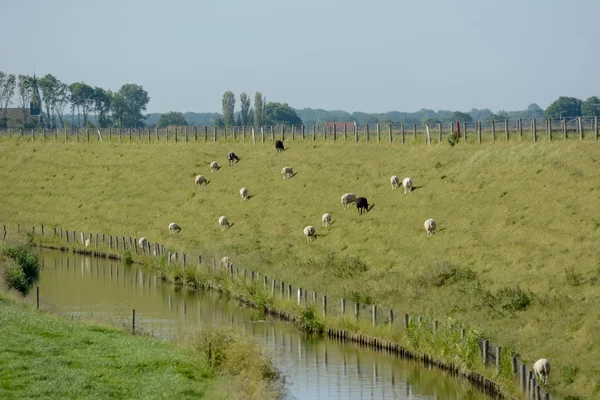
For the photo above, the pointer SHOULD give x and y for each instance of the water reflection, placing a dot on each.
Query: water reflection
(315, 367)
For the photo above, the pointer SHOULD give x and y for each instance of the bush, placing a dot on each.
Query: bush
(22, 269)
(510, 299)
(307, 320)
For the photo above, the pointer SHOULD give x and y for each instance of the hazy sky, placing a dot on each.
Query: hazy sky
(371, 56)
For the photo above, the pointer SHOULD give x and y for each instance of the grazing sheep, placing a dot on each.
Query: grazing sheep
(541, 368)
(362, 205)
(200, 179)
(326, 219)
(407, 183)
(244, 194)
(279, 146)
(143, 242)
(214, 166)
(174, 227)
(287, 172)
(430, 227)
(232, 157)
(395, 181)
(224, 222)
(347, 199)
(310, 232)
(225, 261)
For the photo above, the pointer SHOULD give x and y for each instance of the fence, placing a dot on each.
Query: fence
(561, 129)
(328, 306)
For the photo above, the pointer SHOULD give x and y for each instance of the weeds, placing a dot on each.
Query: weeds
(307, 320)
(22, 268)
(569, 373)
(509, 299)
(573, 278)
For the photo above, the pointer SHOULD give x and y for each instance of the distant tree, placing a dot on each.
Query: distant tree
(535, 111)
(461, 117)
(245, 112)
(8, 84)
(228, 108)
(82, 97)
(172, 118)
(591, 107)
(431, 121)
(281, 114)
(251, 117)
(128, 104)
(102, 100)
(50, 87)
(218, 121)
(238, 120)
(25, 94)
(564, 107)
(63, 98)
(258, 110)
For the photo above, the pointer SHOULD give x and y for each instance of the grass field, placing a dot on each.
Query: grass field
(516, 248)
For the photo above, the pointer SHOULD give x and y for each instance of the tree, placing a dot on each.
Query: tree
(8, 83)
(82, 97)
(461, 117)
(25, 95)
(218, 121)
(591, 107)
(128, 104)
(228, 108)
(63, 98)
(102, 100)
(564, 107)
(431, 121)
(281, 114)
(245, 105)
(535, 111)
(258, 110)
(50, 86)
(238, 120)
(172, 118)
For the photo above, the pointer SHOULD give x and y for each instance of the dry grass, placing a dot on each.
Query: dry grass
(519, 216)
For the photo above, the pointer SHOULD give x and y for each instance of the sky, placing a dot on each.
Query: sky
(370, 56)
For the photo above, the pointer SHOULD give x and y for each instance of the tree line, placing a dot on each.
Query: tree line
(49, 98)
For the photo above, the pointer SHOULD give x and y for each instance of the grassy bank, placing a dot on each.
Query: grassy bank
(515, 252)
(46, 356)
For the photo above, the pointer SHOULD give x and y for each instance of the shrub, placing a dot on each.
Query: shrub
(127, 258)
(22, 269)
(307, 320)
(510, 299)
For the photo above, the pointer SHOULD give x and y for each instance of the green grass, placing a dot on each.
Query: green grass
(516, 252)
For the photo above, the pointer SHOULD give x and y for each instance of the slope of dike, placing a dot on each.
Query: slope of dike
(515, 252)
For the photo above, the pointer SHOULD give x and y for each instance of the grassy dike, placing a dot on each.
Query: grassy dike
(515, 253)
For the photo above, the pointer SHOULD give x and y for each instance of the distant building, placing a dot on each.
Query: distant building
(14, 118)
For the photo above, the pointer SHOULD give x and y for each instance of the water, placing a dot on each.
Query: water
(314, 367)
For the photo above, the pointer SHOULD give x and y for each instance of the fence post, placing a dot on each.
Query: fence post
(272, 135)
(262, 134)
(485, 351)
(391, 317)
(283, 133)
(215, 134)
(374, 315)
(345, 132)
(498, 358)
(406, 321)
(37, 297)
(440, 133)
(435, 327)
(324, 306)
(378, 133)
(390, 130)
(133, 322)
(596, 127)
(402, 132)
(244, 134)
(534, 129)
(356, 310)
(506, 129)
(299, 296)
(367, 131)
(289, 291)
(580, 126)
(522, 376)
(302, 132)
(355, 133)
(415, 131)
(520, 122)
(563, 122)
(549, 124)
(314, 132)
(494, 131)
(273, 283)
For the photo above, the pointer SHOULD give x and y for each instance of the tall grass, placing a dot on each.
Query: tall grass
(21, 267)
(518, 222)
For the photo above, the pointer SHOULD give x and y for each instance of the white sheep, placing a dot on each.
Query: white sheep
(243, 194)
(541, 368)
(326, 219)
(174, 227)
(200, 179)
(87, 242)
(407, 183)
(143, 242)
(214, 166)
(430, 227)
(310, 232)
(287, 172)
(395, 181)
(347, 199)
(224, 222)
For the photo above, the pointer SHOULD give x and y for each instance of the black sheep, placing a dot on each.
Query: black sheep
(231, 157)
(279, 145)
(362, 204)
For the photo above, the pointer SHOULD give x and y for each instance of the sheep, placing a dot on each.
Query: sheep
(279, 146)
(232, 157)
(87, 242)
(310, 232)
(287, 171)
(225, 261)
(395, 181)
(174, 227)
(224, 222)
(362, 205)
(214, 166)
(541, 369)
(200, 179)
(143, 242)
(243, 194)
(326, 219)
(430, 227)
(348, 198)
(407, 183)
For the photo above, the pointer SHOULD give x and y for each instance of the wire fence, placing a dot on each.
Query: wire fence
(551, 129)
(107, 246)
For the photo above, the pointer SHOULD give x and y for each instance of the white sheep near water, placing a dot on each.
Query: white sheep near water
(174, 227)
(395, 181)
(407, 183)
(243, 194)
(347, 199)
(214, 166)
(541, 369)
(326, 219)
(287, 172)
(200, 180)
(430, 227)
(223, 222)
(143, 242)
(310, 232)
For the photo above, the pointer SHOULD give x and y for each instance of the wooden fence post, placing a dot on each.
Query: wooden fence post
(367, 131)
(465, 132)
(244, 134)
(324, 306)
(402, 132)
(272, 135)
(390, 130)
(345, 132)
(293, 132)
(549, 129)
(580, 127)
(356, 310)
(478, 127)
(520, 128)
(440, 133)
(283, 133)
(391, 317)
(133, 322)
(374, 315)
(262, 134)
(343, 306)
(378, 133)
(415, 131)
(494, 131)
(506, 129)
(406, 321)
(485, 351)
(355, 133)
(563, 123)
(302, 132)
(225, 132)
(534, 129)
(299, 295)
(596, 127)
(498, 358)
(314, 132)
(334, 132)
(215, 134)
